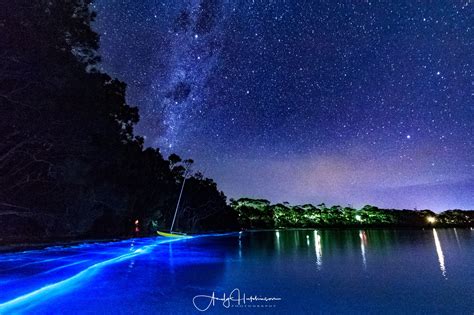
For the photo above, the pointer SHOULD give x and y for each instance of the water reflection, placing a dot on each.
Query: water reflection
(318, 250)
(240, 245)
(439, 251)
(350, 244)
(363, 243)
(277, 234)
(171, 258)
(457, 238)
(131, 265)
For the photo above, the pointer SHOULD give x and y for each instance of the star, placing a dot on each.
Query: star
(317, 95)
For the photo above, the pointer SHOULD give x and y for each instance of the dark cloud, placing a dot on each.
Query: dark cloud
(207, 16)
(182, 21)
(180, 92)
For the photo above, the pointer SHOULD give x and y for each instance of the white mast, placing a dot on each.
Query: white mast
(179, 198)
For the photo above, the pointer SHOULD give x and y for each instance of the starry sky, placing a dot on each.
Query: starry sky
(305, 101)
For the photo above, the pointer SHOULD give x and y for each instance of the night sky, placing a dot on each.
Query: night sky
(299, 101)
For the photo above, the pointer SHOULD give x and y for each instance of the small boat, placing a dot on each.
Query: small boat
(170, 234)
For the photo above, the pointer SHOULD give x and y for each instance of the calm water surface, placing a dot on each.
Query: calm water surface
(302, 271)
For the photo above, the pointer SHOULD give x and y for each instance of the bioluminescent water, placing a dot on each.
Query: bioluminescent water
(297, 271)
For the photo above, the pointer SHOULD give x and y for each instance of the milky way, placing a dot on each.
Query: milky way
(303, 101)
(193, 48)
(181, 52)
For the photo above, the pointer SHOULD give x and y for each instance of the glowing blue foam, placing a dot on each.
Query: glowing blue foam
(30, 299)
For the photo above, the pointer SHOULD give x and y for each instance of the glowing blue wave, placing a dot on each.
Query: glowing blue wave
(30, 299)
(25, 301)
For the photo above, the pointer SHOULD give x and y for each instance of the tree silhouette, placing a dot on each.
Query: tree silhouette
(70, 164)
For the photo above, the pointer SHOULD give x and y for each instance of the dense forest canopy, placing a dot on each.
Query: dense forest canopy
(260, 213)
(70, 164)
